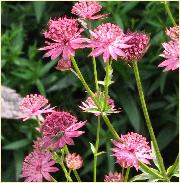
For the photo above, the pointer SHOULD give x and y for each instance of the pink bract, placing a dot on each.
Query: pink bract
(114, 177)
(66, 36)
(173, 33)
(108, 39)
(171, 55)
(73, 161)
(140, 44)
(63, 65)
(88, 10)
(59, 128)
(37, 165)
(134, 149)
(33, 105)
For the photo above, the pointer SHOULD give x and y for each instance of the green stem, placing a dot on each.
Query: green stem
(74, 171)
(105, 118)
(95, 74)
(148, 122)
(56, 157)
(127, 174)
(106, 85)
(96, 148)
(53, 179)
(169, 13)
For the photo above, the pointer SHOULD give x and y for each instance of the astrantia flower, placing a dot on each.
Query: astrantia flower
(37, 165)
(173, 32)
(171, 55)
(59, 128)
(114, 177)
(140, 44)
(133, 149)
(108, 39)
(33, 105)
(73, 161)
(90, 106)
(63, 65)
(66, 36)
(88, 10)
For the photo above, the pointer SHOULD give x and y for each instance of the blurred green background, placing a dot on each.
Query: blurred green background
(24, 70)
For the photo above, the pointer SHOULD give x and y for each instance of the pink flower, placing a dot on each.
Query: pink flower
(73, 161)
(89, 105)
(108, 39)
(173, 32)
(37, 166)
(114, 177)
(87, 10)
(135, 148)
(66, 36)
(59, 128)
(140, 44)
(33, 105)
(63, 65)
(171, 55)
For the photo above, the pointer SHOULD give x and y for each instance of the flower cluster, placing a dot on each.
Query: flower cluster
(89, 106)
(134, 148)
(37, 166)
(73, 161)
(171, 50)
(114, 177)
(88, 10)
(59, 128)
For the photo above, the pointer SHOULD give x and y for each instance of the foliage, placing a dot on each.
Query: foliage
(24, 70)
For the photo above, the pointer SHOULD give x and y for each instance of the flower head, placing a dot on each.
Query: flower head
(140, 44)
(37, 165)
(171, 55)
(114, 177)
(89, 105)
(73, 161)
(66, 36)
(63, 65)
(88, 10)
(135, 148)
(59, 128)
(173, 32)
(108, 39)
(33, 105)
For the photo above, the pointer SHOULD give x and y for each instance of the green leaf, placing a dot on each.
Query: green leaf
(92, 148)
(154, 156)
(130, 106)
(17, 144)
(40, 87)
(39, 7)
(143, 176)
(174, 169)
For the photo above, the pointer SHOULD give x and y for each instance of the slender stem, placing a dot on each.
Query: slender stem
(122, 172)
(127, 174)
(56, 157)
(146, 115)
(105, 118)
(53, 179)
(106, 85)
(96, 148)
(169, 13)
(95, 74)
(74, 171)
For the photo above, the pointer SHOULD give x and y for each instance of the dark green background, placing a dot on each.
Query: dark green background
(24, 69)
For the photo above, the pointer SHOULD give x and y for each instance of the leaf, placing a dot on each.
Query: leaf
(154, 156)
(130, 106)
(143, 176)
(92, 148)
(39, 7)
(174, 169)
(17, 144)
(40, 87)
